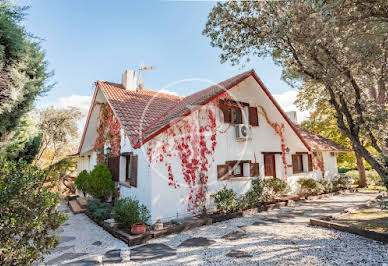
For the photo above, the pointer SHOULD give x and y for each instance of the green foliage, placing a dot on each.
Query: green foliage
(82, 180)
(309, 186)
(327, 186)
(342, 182)
(128, 212)
(372, 178)
(23, 69)
(28, 214)
(100, 182)
(30, 150)
(98, 210)
(226, 200)
(276, 187)
(322, 49)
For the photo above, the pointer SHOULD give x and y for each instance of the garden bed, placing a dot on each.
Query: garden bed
(204, 219)
(368, 220)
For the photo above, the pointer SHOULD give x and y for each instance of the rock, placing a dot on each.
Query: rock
(238, 254)
(197, 242)
(290, 203)
(151, 252)
(65, 257)
(97, 243)
(235, 236)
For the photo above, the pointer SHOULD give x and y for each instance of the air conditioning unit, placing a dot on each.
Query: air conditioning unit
(242, 132)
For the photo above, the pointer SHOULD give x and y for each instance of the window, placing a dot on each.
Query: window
(236, 169)
(297, 163)
(131, 170)
(114, 167)
(310, 160)
(232, 113)
(269, 165)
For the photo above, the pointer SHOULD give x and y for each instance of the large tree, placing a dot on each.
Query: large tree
(58, 128)
(334, 50)
(23, 70)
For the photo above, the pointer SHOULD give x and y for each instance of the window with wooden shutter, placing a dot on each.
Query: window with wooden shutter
(254, 169)
(232, 113)
(131, 170)
(310, 160)
(269, 165)
(297, 163)
(114, 167)
(222, 171)
(253, 118)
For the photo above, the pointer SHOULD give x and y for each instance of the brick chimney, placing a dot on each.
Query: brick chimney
(292, 116)
(129, 79)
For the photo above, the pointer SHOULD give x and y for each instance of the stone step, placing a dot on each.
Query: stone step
(82, 202)
(75, 207)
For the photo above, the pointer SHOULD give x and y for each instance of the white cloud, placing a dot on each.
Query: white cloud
(80, 101)
(286, 102)
(168, 92)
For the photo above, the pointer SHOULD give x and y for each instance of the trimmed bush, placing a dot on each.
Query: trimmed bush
(226, 200)
(81, 181)
(276, 187)
(98, 210)
(99, 183)
(373, 178)
(309, 186)
(128, 212)
(342, 182)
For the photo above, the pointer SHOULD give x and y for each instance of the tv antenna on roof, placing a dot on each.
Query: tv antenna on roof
(141, 70)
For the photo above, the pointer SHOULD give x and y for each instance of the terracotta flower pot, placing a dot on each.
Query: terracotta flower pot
(138, 229)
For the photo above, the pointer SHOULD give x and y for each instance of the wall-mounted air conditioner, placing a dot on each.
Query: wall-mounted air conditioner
(242, 132)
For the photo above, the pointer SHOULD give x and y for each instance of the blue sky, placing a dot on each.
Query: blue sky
(90, 40)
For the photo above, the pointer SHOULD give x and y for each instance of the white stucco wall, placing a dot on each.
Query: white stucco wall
(166, 202)
(169, 202)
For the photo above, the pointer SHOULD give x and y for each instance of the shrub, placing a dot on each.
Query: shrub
(98, 210)
(128, 212)
(100, 184)
(353, 175)
(276, 187)
(342, 182)
(309, 186)
(327, 186)
(373, 178)
(28, 214)
(82, 181)
(225, 200)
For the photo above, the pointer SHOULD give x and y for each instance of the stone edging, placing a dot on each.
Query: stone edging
(195, 222)
(383, 237)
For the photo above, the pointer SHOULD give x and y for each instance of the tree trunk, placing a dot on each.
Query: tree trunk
(361, 171)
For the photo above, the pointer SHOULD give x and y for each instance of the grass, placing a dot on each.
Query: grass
(372, 218)
(371, 188)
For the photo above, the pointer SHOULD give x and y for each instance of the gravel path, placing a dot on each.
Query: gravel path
(81, 237)
(277, 237)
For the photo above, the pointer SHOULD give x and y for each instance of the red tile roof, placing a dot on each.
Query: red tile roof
(319, 143)
(145, 114)
(137, 110)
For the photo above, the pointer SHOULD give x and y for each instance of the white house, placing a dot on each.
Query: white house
(172, 153)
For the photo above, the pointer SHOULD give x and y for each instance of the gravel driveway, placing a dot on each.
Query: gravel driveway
(277, 237)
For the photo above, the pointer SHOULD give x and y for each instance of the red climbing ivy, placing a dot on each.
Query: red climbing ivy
(279, 130)
(104, 134)
(187, 140)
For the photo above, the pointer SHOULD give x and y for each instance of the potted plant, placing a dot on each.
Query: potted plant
(130, 214)
(139, 227)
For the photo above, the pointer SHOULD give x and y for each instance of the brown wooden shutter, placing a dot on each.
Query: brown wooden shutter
(295, 169)
(114, 167)
(310, 159)
(253, 118)
(224, 110)
(222, 171)
(254, 169)
(133, 178)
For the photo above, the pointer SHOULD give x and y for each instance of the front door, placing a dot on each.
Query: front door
(269, 165)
